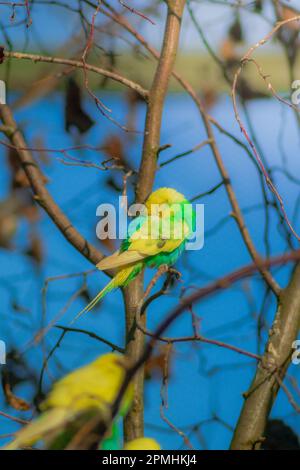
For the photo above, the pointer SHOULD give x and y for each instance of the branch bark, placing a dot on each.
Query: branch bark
(270, 372)
(134, 422)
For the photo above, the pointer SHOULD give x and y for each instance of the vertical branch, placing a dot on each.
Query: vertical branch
(156, 99)
(134, 422)
(271, 370)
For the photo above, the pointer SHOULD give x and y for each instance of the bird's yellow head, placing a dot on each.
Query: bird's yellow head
(164, 196)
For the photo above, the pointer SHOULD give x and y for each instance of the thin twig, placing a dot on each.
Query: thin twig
(13, 418)
(113, 346)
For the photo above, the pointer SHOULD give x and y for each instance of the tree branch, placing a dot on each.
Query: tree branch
(81, 65)
(93, 335)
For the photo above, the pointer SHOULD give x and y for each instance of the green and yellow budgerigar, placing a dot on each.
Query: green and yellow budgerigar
(142, 443)
(155, 238)
(76, 398)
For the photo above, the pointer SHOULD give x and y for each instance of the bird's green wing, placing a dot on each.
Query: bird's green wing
(112, 440)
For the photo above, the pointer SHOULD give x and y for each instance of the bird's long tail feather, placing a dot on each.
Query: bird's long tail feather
(121, 279)
(110, 286)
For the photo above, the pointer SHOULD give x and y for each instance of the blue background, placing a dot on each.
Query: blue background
(206, 381)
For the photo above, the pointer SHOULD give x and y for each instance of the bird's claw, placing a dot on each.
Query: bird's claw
(174, 272)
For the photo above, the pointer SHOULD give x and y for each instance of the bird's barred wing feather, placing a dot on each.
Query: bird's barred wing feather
(159, 234)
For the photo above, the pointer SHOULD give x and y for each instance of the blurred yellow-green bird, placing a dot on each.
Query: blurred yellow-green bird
(78, 397)
(155, 238)
(143, 443)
